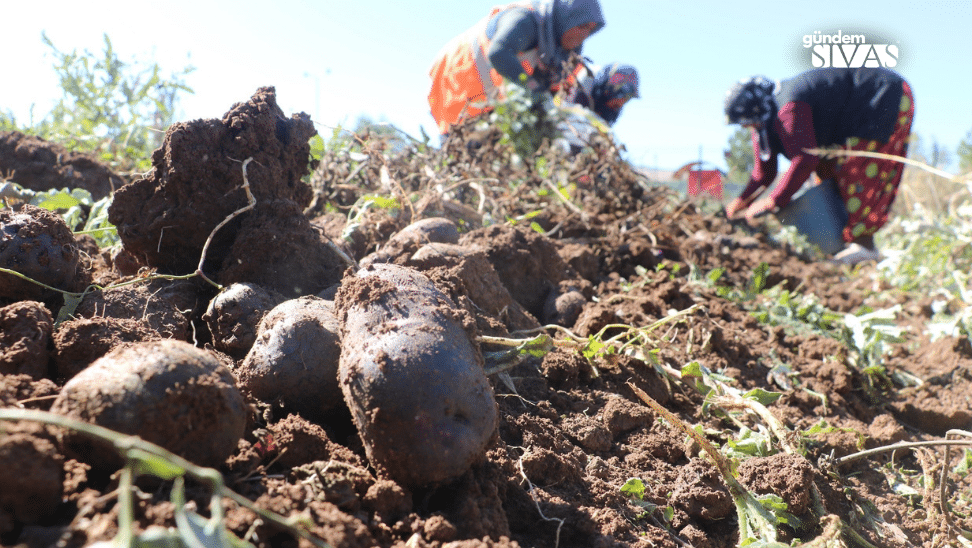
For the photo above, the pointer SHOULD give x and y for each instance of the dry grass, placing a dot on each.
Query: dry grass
(935, 193)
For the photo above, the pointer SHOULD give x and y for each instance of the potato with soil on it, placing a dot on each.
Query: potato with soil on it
(234, 316)
(412, 376)
(37, 243)
(167, 392)
(406, 241)
(295, 358)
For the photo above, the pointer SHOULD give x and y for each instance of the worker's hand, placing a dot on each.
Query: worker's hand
(734, 207)
(759, 208)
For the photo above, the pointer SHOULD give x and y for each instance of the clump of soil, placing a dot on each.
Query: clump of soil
(279, 249)
(31, 486)
(529, 267)
(40, 165)
(197, 181)
(167, 307)
(25, 333)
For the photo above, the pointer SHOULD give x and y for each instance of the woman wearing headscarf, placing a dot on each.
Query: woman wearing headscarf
(863, 109)
(606, 90)
(525, 43)
(594, 104)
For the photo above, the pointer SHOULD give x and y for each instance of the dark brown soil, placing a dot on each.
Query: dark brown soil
(39, 165)
(571, 431)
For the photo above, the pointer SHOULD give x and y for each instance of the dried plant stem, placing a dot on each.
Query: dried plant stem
(251, 203)
(833, 526)
(905, 445)
(942, 500)
(743, 499)
(826, 153)
(720, 462)
(532, 489)
(566, 202)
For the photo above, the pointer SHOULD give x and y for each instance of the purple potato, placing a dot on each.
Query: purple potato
(412, 377)
(234, 315)
(295, 358)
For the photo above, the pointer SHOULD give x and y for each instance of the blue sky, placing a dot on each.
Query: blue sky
(339, 59)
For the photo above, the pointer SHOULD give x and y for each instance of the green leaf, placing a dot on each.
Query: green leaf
(199, 531)
(692, 369)
(538, 346)
(71, 302)
(592, 347)
(158, 537)
(634, 488)
(750, 444)
(695, 370)
(963, 467)
(317, 146)
(149, 463)
(904, 489)
(758, 281)
(653, 356)
(762, 396)
(104, 233)
(668, 513)
(56, 199)
(385, 202)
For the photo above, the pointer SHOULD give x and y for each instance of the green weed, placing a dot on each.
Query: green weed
(112, 109)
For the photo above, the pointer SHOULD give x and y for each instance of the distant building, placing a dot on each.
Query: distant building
(701, 181)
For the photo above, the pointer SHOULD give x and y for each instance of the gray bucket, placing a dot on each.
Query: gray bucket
(819, 213)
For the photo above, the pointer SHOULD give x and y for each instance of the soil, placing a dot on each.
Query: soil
(571, 431)
(39, 165)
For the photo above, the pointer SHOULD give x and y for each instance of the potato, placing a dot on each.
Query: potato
(404, 242)
(412, 377)
(431, 229)
(38, 244)
(234, 315)
(295, 358)
(167, 392)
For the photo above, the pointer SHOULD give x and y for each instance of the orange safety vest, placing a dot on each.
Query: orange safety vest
(463, 79)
